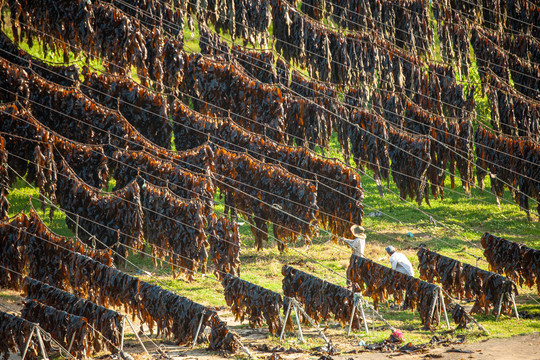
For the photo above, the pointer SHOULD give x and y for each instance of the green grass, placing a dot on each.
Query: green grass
(465, 219)
(10, 298)
(20, 197)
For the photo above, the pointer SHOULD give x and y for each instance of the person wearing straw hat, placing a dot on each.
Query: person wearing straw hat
(399, 261)
(359, 243)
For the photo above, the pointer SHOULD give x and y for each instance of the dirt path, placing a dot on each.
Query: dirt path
(517, 347)
(525, 347)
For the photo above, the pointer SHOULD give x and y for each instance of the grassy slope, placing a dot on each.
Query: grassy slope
(465, 219)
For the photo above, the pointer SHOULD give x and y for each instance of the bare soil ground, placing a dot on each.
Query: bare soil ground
(525, 347)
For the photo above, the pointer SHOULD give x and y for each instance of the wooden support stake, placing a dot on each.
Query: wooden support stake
(363, 316)
(441, 296)
(41, 345)
(433, 304)
(373, 320)
(135, 332)
(285, 321)
(513, 298)
(479, 325)
(298, 307)
(374, 312)
(438, 310)
(379, 185)
(499, 307)
(493, 178)
(28, 343)
(122, 334)
(469, 316)
(246, 351)
(71, 343)
(300, 335)
(198, 330)
(358, 303)
(77, 227)
(352, 317)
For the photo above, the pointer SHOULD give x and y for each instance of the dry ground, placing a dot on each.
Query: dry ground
(524, 347)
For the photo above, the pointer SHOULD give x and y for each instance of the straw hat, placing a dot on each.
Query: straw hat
(358, 231)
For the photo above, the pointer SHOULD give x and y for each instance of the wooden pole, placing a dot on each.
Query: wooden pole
(198, 330)
(358, 303)
(468, 315)
(300, 335)
(374, 312)
(122, 334)
(135, 332)
(441, 296)
(438, 309)
(433, 304)
(285, 321)
(373, 319)
(298, 307)
(71, 343)
(513, 298)
(363, 315)
(499, 307)
(28, 343)
(246, 351)
(41, 345)
(77, 228)
(479, 325)
(352, 317)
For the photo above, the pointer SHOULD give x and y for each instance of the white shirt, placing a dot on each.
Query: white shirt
(358, 245)
(400, 263)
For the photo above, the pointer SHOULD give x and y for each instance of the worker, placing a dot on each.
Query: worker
(358, 244)
(399, 261)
